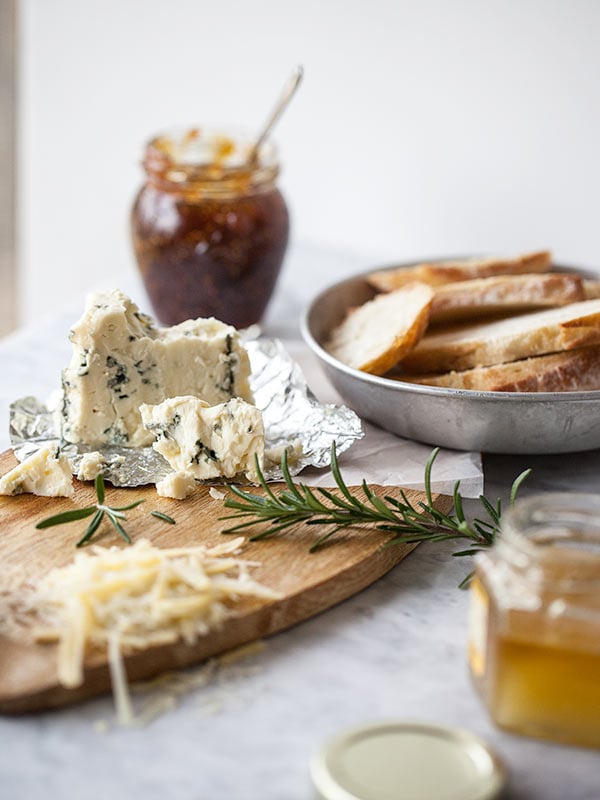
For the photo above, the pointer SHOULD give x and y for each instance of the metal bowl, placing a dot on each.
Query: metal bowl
(492, 422)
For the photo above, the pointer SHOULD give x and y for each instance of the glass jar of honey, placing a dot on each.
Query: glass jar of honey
(209, 227)
(534, 625)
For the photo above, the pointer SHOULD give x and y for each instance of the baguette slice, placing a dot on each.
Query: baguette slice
(504, 294)
(570, 371)
(376, 335)
(523, 336)
(436, 274)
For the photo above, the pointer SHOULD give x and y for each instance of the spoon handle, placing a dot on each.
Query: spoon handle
(289, 90)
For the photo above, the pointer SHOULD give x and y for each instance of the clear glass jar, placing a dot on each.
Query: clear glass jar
(534, 624)
(209, 228)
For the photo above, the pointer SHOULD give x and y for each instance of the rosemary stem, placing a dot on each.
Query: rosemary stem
(400, 519)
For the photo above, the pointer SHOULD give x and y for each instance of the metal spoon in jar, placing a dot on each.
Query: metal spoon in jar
(289, 90)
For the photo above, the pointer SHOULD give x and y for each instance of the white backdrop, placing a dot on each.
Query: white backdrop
(422, 128)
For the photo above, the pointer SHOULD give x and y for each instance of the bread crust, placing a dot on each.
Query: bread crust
(570, 371)
(439, 273)
(591, 289)
(504, 294)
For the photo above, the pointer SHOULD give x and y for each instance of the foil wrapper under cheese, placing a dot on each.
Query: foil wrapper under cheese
(293, 419)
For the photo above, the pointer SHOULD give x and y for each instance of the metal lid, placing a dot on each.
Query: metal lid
(407, 761)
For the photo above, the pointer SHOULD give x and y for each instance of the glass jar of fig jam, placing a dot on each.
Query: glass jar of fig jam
(209, 227)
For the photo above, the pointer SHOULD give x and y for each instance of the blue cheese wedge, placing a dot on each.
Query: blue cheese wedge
(207, 441)
(121, 360)
(47, 473)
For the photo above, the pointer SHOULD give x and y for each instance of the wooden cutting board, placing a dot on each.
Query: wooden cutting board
(308, 582)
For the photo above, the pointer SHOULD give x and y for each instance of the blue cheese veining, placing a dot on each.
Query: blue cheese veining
(121, 360)
(207, 442)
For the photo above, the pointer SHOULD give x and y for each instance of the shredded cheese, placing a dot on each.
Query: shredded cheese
(118, 679)
(137, 597)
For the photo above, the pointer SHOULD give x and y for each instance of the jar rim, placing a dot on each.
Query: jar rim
(557, 531)
(182, 154)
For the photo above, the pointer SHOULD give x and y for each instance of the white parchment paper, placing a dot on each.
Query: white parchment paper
(382, 458)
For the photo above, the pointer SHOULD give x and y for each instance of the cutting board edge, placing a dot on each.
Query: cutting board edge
(268, 620)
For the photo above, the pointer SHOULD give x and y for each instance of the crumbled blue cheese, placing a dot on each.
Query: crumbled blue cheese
(274, 455)
(47, 473)
(91, 465)
(121, 360)
(207, 441)
(177, 485)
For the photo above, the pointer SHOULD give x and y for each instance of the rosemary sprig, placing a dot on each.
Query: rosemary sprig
(404, 521)
(98, 510)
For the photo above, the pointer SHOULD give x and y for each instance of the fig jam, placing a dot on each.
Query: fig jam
(209, 228)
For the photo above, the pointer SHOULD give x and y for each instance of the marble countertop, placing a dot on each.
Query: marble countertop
(396, 650)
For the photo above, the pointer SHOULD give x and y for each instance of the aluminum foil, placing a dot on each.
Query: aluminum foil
(294, 420)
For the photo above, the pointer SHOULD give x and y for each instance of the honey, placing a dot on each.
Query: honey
(534, 630)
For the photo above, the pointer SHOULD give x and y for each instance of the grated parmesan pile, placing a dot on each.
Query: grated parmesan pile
(137, 597)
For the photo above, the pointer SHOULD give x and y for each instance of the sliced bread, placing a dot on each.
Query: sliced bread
(376, 335)
(504, 294)
(550, 331)
(436, 274)
(569, 371)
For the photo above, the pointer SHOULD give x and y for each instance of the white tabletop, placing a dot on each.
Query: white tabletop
(396, 650)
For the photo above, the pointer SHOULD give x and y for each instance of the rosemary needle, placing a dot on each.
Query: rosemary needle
(165, 517)
(402, 520)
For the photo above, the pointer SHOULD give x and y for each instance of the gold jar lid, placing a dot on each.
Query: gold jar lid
(407, 761)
